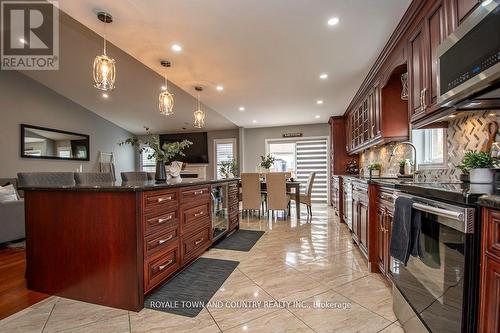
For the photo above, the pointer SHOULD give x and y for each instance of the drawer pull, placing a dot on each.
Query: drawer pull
(198, 214)
(198, 241)
(163, 220)
(161, 241)
(163, 199)
(162, 267)
(198, 192)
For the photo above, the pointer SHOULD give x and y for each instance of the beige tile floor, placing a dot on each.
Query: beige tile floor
(307, 261)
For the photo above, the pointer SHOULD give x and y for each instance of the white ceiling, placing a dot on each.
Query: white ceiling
(267, 54)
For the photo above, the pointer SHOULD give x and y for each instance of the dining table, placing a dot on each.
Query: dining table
(290, 185)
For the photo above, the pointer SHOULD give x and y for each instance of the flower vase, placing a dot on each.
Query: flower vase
(160, 174)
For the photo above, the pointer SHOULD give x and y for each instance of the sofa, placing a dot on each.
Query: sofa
(11, 216)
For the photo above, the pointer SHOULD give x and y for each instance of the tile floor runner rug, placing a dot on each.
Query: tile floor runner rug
(240, 240)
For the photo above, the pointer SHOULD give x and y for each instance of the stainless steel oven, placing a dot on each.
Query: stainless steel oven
(437, 292)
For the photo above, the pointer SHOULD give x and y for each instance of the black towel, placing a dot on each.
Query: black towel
(405, 236)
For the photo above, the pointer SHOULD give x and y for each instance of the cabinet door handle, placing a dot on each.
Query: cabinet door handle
(161, 199)
(163, 220)
(162, 267)
(198, 214)
(161, 241)
(424, 92)
(198, 192)
(198, 241)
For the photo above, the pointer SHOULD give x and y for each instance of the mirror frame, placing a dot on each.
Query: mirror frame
(23, 155)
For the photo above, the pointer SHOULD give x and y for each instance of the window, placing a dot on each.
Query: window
(431, 147)
(301, 157)
(224, 151)
(148, 162)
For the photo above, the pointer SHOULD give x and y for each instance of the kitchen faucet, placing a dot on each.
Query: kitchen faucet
(415, 171)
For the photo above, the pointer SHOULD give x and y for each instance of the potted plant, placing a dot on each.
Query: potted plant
(163, 155)
(479, 165)
(228, 168)
(402, 167)
(266, 162)
(374, 169)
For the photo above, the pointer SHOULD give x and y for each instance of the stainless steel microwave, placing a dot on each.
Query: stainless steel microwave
(469, 59)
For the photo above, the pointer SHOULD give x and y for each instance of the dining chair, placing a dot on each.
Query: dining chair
(250, 192)
(27, 179)
(277, 198)
(134, 176)
(306, 197)
(93, 178)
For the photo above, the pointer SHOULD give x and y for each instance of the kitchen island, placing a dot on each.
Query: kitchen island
(113, 243)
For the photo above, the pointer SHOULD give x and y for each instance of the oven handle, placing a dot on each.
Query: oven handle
(439, 211)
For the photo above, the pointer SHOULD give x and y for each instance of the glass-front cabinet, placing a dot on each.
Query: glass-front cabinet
(220, 217)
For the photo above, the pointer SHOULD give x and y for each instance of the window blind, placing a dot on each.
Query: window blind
(224, 152)
(312, 156)
(148, 164)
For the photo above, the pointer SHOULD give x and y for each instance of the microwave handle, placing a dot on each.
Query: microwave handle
(439, 211)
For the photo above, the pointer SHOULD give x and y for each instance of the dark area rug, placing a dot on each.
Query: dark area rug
(188, 292)
(240, 240)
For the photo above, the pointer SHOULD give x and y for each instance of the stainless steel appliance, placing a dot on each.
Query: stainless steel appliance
(438, 292)
(220, 217)
(347, 195)
(469, 62)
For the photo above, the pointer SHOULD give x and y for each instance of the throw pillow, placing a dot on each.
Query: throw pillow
(8, 193)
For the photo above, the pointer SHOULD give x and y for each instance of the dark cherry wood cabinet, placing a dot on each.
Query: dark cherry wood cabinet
(416, 72)
(360, 215)
(339, 141)
(489, 309)
(112, 246)
(385, 213)
(462, 8)
(233, 204)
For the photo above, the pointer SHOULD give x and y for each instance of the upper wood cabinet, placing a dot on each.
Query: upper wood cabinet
(423, 61)
(463, 8)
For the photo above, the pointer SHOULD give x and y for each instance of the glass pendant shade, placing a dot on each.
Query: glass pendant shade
(199, 118)
(166, 103)
(104, 72)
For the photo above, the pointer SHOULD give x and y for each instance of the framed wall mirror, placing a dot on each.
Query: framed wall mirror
(48, 143)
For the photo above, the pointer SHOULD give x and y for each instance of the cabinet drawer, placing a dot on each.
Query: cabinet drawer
(192, 217)
(196, 243)
(157, 201)
(492, 232)
(160, 267)
(195, 195)
(233, 208)
(234, 221)
(159, 222)
(159, 241)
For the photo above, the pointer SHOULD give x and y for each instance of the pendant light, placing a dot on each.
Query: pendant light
(166, 99)
(104, 70)
(199, 115)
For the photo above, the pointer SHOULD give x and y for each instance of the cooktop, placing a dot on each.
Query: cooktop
(457, 192)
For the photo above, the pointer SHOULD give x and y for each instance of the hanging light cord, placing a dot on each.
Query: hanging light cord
(198, 101)
(104, 22)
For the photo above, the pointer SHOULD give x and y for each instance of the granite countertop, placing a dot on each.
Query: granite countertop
(135, 186)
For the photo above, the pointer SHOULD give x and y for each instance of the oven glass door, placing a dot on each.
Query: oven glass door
(433, 284)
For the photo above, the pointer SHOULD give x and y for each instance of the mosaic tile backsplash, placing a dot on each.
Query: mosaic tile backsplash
(467, 131)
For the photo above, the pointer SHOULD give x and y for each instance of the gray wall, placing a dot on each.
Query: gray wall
(23, 100)
(254, 140)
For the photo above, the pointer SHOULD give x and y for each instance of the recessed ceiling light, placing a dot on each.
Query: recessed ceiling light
(323, 76)
(104, 95)
(219, 88)
(333, 21)
(254, 121)
(176, 48)
(319, 102)
(486, 2)
(242, 108)
(317, 116)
